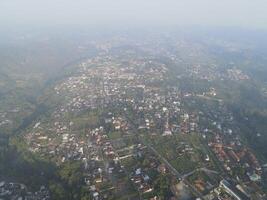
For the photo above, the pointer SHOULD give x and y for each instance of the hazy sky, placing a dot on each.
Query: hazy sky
(244, 13)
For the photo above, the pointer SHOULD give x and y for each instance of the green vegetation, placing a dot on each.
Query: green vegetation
(64, 182)
(114, 135)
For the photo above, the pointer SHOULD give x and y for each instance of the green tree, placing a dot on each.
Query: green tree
(57, 191)
(71, 175)
(162, 186)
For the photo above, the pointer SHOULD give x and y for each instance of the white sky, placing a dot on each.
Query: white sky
(241, 13)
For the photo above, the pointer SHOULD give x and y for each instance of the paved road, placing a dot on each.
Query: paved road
(176, 173)
(171, 168)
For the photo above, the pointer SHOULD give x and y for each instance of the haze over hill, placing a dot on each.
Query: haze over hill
(240, 13)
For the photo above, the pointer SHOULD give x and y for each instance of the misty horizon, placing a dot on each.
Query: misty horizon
(126, 14)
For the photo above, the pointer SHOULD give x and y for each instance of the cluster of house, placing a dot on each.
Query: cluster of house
(140, 174)
(97, 86)
(58, 146)
(238, 161)
(114, 157)
(8, 117)
(95, 172)
(237, 74)
(211, 71)
(132, 87)
(232, 155)
(141, 181)
(184, 148)
(227, 190)
(18, 191)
